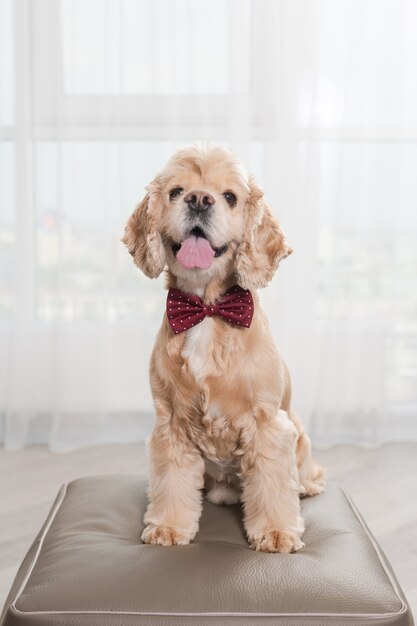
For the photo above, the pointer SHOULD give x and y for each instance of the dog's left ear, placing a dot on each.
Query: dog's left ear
(263, 244)
(142, 237)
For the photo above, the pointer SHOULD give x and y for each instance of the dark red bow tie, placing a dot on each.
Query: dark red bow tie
(185, 309)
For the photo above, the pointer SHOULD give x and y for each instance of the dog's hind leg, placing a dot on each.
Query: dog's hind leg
(222, 493)
(311, 475)
(221, 490)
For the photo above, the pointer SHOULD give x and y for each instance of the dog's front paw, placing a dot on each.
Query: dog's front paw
(276, 541)
(166, 535)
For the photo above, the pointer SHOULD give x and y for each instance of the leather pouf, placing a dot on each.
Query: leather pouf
(88, 567)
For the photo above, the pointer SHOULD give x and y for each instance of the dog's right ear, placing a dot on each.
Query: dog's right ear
(142, 237)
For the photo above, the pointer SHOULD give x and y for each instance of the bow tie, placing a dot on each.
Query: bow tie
(185, 310)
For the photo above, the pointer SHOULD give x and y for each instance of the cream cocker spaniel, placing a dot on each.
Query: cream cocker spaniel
(220, 388)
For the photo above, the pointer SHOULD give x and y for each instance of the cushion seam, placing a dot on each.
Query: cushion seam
(49, 520)
(381, 558)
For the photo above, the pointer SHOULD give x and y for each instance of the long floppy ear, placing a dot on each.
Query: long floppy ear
(263, 244)
(143, 239)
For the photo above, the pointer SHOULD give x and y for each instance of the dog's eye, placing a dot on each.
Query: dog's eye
(174, 193)
(230, 198)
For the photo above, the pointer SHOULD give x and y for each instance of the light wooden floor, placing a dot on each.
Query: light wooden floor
(383, 483)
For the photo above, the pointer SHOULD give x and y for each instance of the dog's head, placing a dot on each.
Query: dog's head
(203, 215)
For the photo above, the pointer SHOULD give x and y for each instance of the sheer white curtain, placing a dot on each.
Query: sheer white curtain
(319, 98)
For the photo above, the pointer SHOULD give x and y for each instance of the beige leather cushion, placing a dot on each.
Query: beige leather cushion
(87, 566)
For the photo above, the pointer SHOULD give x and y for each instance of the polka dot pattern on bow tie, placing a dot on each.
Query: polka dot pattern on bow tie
(185, 310)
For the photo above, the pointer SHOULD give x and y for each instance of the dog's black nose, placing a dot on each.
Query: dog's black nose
(199, 200)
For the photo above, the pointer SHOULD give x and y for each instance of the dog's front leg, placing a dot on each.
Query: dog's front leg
(270, 486)
(176, 481)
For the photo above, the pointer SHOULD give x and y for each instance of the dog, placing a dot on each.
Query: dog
(221, 390)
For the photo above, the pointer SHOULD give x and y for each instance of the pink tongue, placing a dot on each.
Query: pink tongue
(195, 252)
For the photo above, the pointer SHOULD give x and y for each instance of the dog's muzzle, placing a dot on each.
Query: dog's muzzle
(198, 232)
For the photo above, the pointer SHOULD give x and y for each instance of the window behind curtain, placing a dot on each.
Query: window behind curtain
(320, 100)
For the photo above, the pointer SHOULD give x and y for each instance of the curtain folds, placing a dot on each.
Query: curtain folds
(318, 98)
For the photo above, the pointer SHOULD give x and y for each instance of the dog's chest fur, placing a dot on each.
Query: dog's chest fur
(216, 432)
(198, 349)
